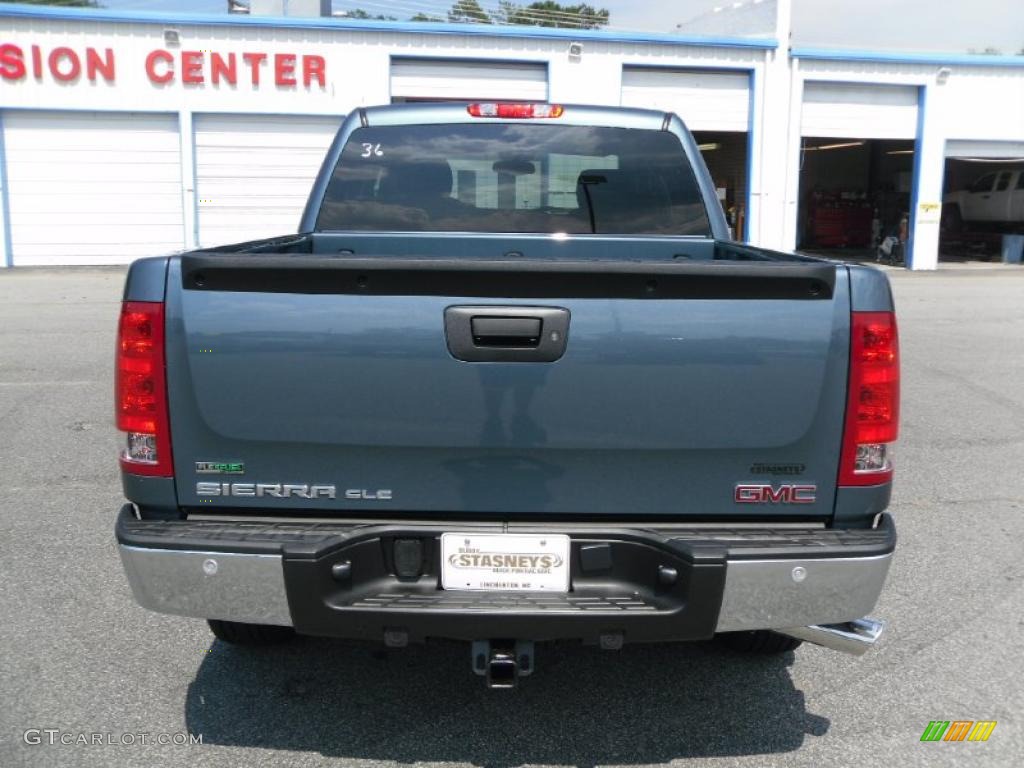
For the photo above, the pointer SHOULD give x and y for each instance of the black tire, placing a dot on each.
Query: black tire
(237, 633)
(762, 641)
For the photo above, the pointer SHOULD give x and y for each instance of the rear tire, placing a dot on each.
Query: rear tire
(237, 633)
(761, 641)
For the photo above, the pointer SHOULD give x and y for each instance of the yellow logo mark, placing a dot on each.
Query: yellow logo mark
(982, 730)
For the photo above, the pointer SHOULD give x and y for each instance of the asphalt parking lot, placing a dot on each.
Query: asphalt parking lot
(77, 654)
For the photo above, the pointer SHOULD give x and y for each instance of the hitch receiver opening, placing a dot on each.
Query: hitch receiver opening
(502, 662)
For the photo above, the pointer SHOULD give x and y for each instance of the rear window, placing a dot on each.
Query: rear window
(500, 177)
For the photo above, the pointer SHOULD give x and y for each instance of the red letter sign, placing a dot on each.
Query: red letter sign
(313, 69)
(284, 68)
(254, 60)
(12, 62)
(72, 72)
(151, 60)
(191, 67)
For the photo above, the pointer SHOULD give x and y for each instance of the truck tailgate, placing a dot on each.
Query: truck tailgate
(678, 382)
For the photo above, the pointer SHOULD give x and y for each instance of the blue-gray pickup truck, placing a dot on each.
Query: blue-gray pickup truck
(512, 381)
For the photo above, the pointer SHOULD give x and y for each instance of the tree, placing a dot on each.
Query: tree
(468, 12)
(425, 17)
(359, 13)
(61, 3)
(506, 9)
(547, 13)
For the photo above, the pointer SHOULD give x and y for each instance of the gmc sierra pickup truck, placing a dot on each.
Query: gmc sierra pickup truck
(512, 381)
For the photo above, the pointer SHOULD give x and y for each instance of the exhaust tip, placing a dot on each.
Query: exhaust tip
(854, 637)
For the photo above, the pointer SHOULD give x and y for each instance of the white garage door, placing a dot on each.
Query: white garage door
(92, 188)
(431, 79)
(706, 101)
(986, 149)
(846, 110)
(254, 173)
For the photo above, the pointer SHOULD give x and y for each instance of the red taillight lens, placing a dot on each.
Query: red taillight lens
(140, 390)
(873, 402)
(513, 111)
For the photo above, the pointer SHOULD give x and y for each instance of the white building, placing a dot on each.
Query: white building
(130, 134)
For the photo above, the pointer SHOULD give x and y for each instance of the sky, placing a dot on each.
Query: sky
(911, 25)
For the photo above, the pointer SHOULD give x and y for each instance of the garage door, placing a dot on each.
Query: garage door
(845, 110)
(986, 149)
(436, 79)
(706, 101)
(254, 173)
(92, 188)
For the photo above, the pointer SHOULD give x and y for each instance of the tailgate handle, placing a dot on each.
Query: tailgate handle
(505, 331)
(495, 334)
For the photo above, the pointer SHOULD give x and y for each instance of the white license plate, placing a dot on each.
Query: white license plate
(505, 562)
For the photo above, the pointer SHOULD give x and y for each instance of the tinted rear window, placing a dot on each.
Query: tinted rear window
(499, 177)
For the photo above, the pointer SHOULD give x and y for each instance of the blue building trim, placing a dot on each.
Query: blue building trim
(374, 25)
(896, 57)
(5, 198)
(915, 180)
(187, 116)
(751, 106)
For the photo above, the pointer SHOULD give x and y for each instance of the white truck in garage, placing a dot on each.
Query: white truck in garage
(996, 197)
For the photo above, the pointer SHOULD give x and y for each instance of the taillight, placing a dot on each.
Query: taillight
(140, 390)
(515, 110)
(873, 402)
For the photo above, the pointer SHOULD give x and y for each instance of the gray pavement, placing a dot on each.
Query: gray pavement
(76, 653)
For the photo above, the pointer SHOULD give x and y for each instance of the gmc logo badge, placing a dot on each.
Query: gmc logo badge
(769, 494)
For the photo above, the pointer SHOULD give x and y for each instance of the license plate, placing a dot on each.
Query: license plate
(505, 562)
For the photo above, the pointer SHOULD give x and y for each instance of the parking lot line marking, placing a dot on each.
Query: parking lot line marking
(46, 383)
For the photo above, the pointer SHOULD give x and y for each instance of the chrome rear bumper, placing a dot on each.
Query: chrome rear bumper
(232, 586)
(775, 594)
(238, 572)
